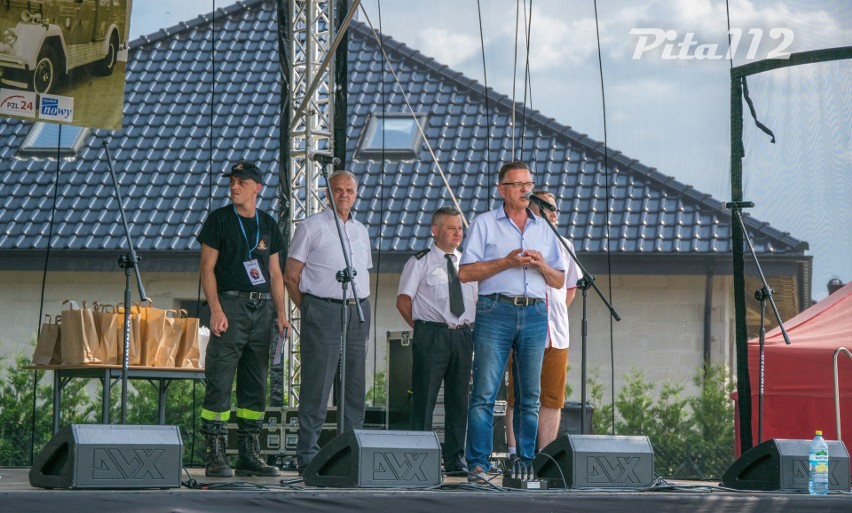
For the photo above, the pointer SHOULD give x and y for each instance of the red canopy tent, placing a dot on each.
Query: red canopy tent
(798, 394)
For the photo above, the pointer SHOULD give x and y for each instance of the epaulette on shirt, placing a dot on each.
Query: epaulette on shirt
(421, 254)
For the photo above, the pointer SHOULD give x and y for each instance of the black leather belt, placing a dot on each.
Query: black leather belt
(246, 295)
(516, 300)
(350, 301)
(444, 325)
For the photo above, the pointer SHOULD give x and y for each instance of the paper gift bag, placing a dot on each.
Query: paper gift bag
(153, 332)
(172, 329)
(47, 350)
(78, 336)
(134, 352)
(188, 353)
(108, 326)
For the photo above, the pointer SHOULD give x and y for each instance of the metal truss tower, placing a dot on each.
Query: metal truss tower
(311, 129)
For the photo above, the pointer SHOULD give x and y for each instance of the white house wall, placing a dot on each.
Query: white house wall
(661, 331)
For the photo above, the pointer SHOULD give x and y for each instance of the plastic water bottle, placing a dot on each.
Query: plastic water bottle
(818, 466)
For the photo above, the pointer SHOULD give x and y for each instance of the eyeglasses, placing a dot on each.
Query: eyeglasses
(531, 185)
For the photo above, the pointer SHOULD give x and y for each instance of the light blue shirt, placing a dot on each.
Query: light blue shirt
(493, 235)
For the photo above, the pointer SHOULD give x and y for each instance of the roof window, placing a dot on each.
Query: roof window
(391, 135)
(45, 139)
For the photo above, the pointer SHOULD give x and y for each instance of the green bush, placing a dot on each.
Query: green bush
(17, 433)
(692, 437)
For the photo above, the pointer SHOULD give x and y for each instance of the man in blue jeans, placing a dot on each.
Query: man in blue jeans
(514, 256)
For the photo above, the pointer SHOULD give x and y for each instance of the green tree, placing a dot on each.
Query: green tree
(692, 437)
(377, 395)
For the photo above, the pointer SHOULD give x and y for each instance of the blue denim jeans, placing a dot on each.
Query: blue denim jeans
(501, 328)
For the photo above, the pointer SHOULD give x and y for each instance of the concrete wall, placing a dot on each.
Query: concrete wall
(661, 332)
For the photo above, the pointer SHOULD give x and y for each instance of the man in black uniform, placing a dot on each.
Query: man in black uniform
(240, 274)
(441, 309)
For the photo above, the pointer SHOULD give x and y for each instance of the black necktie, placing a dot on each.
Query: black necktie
(456, 300)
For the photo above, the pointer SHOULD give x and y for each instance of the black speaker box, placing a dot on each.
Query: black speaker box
(377, 459)
(569, 420)
(110, 456)
(596, 461)
(782, 464)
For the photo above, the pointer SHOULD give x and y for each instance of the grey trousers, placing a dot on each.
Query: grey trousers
(320, 352)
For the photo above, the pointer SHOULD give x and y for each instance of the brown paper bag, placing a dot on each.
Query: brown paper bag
(153, 332)
(189, 352)
(108, 326)
(48, 347)
(173, 325)
(78, 337)
(134, 352)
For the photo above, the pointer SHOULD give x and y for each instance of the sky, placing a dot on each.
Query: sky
(665, 85)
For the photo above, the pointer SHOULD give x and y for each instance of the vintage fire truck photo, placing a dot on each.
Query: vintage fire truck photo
(43, 42)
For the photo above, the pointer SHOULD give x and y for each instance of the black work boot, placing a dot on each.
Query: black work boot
(215, 462)
(250, 462)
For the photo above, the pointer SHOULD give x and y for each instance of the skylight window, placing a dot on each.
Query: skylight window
(391, 135)
(44, 139)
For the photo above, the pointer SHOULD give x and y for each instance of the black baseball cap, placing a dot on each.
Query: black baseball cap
(245, 169)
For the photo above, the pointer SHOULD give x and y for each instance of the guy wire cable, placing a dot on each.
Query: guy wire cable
(527, 82)
(606, 217)
(43, 283)
(515, 76)
(414, 116)
(207, 207)
(381, 223)
(489, 165)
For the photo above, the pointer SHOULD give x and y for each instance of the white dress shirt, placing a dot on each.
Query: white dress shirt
(316, 244)
(426, 282)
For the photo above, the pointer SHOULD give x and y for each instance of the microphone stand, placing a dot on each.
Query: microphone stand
(583, 284)
(345, 277)
(760, 295)
(130, 263)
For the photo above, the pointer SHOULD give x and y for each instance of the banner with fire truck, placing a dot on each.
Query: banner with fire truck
(63, 61)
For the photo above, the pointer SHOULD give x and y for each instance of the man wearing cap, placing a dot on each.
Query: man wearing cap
(242, 281)
(440, 308)
(514, 256)
(313, 262)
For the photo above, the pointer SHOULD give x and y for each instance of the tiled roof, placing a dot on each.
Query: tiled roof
(173, 104)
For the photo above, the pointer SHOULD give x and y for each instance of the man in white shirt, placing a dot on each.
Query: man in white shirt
(310, 275)
(441, 309)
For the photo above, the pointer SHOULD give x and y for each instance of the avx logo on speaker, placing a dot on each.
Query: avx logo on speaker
(396, 466)
(114, 463)
(618, 469)
(801, 469)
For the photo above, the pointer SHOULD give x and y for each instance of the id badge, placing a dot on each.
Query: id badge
(253, 272)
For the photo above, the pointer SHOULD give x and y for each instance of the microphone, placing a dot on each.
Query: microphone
(325, 158)
(738, 205)
(539, 202)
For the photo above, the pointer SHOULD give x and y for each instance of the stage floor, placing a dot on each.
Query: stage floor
(454, 495)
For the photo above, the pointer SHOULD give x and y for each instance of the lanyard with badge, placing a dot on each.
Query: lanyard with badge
(252, 266)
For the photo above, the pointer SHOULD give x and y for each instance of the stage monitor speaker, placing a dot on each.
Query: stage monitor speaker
(596, 461)
(377, 459)
(782, 464)
(110, 456)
